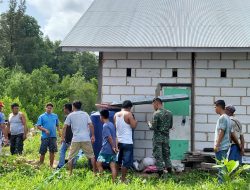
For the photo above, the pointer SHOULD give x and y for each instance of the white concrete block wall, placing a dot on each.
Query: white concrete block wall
(150, 69)
(209, 87)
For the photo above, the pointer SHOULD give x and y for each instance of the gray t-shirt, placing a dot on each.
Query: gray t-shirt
(79, 122)
(223, 123)
(236, 127)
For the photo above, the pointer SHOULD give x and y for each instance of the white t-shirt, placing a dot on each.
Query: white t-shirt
(79, 122)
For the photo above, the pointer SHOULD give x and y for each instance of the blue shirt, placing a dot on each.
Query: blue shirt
(108, 130)
(49, 122)
(2, 120)
(223, 123)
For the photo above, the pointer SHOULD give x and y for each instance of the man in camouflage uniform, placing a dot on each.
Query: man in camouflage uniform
(161, 124)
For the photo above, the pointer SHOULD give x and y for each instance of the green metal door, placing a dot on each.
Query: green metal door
(180, 135)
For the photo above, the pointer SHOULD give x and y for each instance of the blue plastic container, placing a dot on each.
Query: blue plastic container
(98, 125)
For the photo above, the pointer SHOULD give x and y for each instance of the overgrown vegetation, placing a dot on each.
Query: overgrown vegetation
(23, 173)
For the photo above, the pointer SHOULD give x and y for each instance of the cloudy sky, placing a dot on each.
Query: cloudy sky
(56, 17)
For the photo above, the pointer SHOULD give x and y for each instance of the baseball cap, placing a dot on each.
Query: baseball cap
(1, 104)
(230, 108)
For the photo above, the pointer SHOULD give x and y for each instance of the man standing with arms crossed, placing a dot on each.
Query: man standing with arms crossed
(80, 124)
(161, 124)
(125, 122)
(47, 123)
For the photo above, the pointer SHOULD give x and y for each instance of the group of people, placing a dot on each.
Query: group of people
(117, 137)
(229, 139)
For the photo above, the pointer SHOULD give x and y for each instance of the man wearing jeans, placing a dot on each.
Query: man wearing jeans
(223, 134)
(67, 138)
(125, 122)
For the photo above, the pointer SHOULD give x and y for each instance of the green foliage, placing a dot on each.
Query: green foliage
(231, 170)
(35, 89)
(23, 173)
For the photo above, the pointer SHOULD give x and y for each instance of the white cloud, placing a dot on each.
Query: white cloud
(60, 15)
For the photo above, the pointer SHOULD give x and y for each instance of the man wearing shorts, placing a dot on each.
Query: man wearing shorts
(109, 149)
(80, 124)
(47, 123)
(125, 122)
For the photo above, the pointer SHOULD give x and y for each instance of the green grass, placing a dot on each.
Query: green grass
(23, 173)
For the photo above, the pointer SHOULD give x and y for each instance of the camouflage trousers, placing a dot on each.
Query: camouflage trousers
(161, 153)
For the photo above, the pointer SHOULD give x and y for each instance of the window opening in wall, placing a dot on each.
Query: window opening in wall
(174, 73)
(223, 73)
(128, 72)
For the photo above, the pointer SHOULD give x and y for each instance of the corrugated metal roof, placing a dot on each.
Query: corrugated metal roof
(162, 24)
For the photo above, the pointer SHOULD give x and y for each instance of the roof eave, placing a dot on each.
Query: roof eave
(155, 49)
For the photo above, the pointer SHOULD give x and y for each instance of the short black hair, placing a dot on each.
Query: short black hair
(77, 104)
(14, 105)
(49, 104)
(220, 103)
(127, 104)
(105, 114)
(68, 106)
(157, 100)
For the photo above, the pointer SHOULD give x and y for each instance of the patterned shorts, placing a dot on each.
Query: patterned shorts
(106, 158)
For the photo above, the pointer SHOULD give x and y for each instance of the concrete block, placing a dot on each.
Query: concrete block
(200, 82)
(184, 80)
(114, 55)
(139, 81)
(131, 97)
(114, 81)
(142, 126)
(210, 137)
(139, 153)
(208, 55)
(238, 73)
(148, 72)
(244, 119)
(139, 135)
(143, 143)
(200, 118)
(109, 64)
(206, 91)
(242, 64)
(110, 98)
(206, 109)
(219, 82)
(105, 89)
(145, 90)
(213, 118)
(118, 73)
(201, 64)
(128, 64)
(184, 56)
(182, 64)
(248, 91)
(184, 73)
(147, 108)
(122, 90)
(140, 116)
(207, 73)
(201, 145)
(234, 56)
(149, 135)
(156, 81)
(200, 137)
(139, 55)
(149, 152)
(106, 72)
(221, 64)
(164, 55)
(229, 100)
(241, 82)
(247, 138)
(204, 100)
(245, 101)
(154, 64)
(241, 109)
(166, 73)
(233, 91)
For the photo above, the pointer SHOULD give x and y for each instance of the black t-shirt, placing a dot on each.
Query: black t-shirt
(68, 134)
